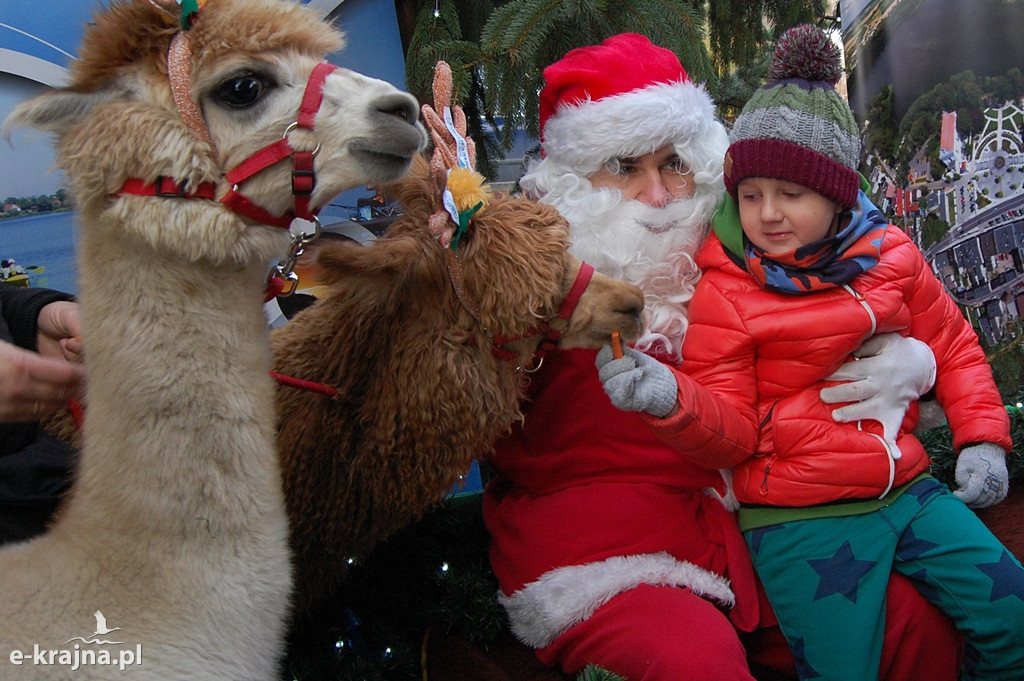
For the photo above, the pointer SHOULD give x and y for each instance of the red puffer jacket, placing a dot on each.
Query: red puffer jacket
(756, 360)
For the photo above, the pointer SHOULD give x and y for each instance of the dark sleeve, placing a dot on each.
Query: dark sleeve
(19, 308)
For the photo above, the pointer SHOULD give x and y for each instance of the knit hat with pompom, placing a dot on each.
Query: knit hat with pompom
(797, 127)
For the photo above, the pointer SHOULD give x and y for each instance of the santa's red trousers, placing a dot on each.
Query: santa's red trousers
(654, 633)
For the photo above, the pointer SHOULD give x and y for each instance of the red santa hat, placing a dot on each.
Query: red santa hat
(623, 98)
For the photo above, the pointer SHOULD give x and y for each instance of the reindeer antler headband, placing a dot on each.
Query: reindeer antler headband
(179, 56)
(463, 190)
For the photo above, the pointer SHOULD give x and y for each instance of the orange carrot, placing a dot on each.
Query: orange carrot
(616, 344)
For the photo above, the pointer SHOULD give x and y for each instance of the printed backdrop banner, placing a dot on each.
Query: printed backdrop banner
(939, 87)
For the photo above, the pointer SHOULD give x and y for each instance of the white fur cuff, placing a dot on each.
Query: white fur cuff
(543, 610)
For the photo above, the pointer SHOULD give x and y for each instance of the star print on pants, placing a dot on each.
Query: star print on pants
(911, 547)
(924, 490)
(840, 573)
(757, 534)
(803, 667)
(920, 580)
(1006, 579)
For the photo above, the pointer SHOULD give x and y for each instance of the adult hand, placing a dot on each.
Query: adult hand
(637, 382)
(981, 476)
(32, 386)
(889, 373)
(59, 331)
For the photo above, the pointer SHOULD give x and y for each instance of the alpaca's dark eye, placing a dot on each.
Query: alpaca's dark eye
(241, 91)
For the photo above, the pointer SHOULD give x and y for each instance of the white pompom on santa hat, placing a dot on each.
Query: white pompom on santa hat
(623, 98)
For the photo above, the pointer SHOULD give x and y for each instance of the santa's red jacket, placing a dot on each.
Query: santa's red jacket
(589, 503)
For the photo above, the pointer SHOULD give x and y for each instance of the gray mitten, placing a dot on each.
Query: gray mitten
(637, 382)
(981, 476)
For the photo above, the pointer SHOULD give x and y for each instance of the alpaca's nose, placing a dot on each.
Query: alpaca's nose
(633, 305)
(632, 310)
(398, 104)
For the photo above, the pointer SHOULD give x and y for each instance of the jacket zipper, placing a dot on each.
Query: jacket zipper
(871, 315)
(890, 455)
(860, 299)
(767, 470)
(771, 459)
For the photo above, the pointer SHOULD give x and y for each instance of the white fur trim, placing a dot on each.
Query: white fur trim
(728, 499)
(543, 610)
(634, 123)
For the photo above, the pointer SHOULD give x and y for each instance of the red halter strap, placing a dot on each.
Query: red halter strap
(303, 176)
(303, 384)
(549, 342)
(168, 187)
(552, 337)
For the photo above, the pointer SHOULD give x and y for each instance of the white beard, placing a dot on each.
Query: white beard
(652, 248)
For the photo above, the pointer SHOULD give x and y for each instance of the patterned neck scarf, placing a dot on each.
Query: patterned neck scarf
(833, 261)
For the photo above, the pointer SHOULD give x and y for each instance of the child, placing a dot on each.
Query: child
(801, 271)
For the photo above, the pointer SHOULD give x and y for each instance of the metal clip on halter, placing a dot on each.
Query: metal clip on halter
(284, 272)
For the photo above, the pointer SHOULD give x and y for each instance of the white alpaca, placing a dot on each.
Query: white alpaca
(175, 530)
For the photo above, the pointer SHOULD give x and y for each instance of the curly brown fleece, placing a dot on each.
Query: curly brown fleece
(421, 393)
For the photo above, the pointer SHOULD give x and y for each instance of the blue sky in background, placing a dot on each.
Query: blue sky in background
(37, 42)
(39, 38)
(849, 9)
(47, 30)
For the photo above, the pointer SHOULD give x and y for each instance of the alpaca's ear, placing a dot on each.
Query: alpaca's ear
(388, 258)
(58, 110)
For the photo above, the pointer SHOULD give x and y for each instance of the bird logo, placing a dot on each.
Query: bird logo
(101, 630)
(101, 625)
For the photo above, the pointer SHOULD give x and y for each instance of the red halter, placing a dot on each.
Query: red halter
(303, 176)
(282, 279)
(551, 336)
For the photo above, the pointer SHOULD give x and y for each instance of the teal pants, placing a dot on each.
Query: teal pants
(826, 579)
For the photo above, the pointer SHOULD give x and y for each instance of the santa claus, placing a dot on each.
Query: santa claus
(609, 547)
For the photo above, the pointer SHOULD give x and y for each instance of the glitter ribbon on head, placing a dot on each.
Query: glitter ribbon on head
(179, 73)
(179, 64)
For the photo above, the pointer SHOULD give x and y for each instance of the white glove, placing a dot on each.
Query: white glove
(637, 382)
(891, 372)
(981, 475)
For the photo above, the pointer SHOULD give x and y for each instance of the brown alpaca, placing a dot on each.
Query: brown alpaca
(405, 335)
(175, 531)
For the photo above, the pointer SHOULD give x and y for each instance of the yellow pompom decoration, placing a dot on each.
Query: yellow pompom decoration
(468, 188)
